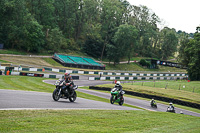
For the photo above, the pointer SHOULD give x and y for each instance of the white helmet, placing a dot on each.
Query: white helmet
(170, 103)
(118, 83)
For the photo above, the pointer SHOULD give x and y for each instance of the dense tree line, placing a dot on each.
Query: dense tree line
(190, 55)
(111, 29)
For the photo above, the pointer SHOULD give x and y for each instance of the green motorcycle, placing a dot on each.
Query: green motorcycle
(115, 96)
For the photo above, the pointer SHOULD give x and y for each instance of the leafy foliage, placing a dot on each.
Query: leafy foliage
(125, 41)
(192, 50)
(95, 27)
(190, 56)
(143, 62)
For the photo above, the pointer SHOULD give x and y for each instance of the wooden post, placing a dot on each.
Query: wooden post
(166, 86)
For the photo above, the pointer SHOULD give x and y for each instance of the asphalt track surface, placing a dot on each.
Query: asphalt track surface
(132, 101)
(16, 100)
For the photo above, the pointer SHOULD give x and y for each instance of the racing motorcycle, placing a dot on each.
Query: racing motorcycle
(153, 104)
(115, 96)
(64, 93)
(170, 109)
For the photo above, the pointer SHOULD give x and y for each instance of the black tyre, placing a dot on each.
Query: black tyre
(55, 95)
(111, 99)
(121, 102)
(73, 97)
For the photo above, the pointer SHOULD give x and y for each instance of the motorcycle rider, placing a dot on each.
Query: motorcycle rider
(119, 87)
(68, 83)
(152, 102)
(171, 105)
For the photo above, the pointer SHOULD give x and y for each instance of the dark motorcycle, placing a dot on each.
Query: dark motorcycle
(171, 109)
(153, 104)
(64, 93)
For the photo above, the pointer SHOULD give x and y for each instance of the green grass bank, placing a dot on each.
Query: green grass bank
(157, 88)
(73, 121)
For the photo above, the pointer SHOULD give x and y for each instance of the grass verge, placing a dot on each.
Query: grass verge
(193, 86)
(24, 121)
(171, 93)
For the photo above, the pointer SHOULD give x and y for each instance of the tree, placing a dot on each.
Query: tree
(21, 30)
(146, 23)
(82, 25)
(66, 14)
(125, 40)
(33, 40)
(169, 43)
(43, 12)
(94, 42)
(182, 57)
(56, 42)
(192, 56)
(111, 15)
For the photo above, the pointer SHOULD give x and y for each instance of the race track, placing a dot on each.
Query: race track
(132, 101)
(12, 99)
(15, 100)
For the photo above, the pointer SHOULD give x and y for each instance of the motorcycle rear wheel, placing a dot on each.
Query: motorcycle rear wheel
(55, 95)
(73, 98)
(121, 102)
(153, 106)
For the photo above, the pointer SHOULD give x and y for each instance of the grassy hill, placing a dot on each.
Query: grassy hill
(137, 67)
(47, 61)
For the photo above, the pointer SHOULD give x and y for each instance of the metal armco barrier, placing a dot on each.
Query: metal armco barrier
(165, 99)
(42, 75)
(137, 78)
(115, 75)
(75, 77)
(31, 74)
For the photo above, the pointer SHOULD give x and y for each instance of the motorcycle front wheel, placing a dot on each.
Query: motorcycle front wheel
(55, 95)
(112, 99)
(73, 97)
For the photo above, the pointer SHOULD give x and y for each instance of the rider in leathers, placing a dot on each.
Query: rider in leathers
(152, 102)
(119, 87)
(68, 83)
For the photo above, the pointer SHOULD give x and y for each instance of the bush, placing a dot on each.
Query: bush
(143, 62)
